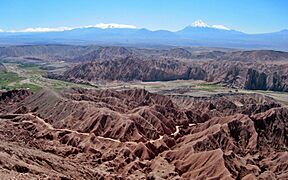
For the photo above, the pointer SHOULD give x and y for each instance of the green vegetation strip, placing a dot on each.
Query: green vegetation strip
(208, 87)
(11, 80)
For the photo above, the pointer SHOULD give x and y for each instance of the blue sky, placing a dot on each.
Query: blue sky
(251, 16)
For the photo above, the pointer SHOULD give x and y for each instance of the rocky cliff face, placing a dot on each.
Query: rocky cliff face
(256, 80)
(279, 82)
(248, 75)
(264, 81)
(129, 69)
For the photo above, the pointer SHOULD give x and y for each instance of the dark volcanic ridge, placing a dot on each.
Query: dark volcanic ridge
(134, 134)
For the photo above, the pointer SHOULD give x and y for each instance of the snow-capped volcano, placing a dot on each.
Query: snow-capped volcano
(200, 23)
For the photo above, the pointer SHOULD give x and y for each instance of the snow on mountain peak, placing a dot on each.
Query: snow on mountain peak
(220, 27)
(200, 23)
(111, 25)
(64, 28)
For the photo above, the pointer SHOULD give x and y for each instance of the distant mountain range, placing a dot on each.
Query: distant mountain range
(189, 36)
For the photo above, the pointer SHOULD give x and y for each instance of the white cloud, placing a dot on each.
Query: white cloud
(58, 29)
(1, 30)
(200, 23)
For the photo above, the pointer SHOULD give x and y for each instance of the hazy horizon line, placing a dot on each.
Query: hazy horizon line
(198, 23)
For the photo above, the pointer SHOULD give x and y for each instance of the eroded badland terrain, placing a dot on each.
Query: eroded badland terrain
(91, 112)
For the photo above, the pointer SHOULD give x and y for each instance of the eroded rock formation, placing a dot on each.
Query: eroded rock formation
(134, 134)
